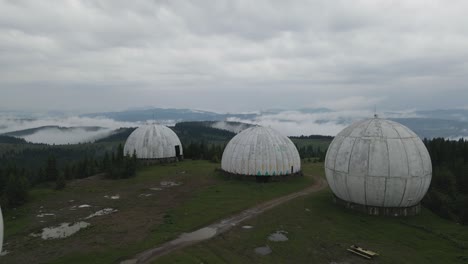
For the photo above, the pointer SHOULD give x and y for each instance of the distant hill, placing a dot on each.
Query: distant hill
(447, 114)
(432, 127)
(11, 140)
(140, 115)
(120, 134)
(196, 131)
(31, 131)
(201, 132)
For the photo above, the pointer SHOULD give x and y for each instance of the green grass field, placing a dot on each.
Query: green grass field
(141, 222)
(320, 231)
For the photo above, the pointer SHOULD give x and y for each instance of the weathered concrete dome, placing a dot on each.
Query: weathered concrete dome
(1, 230)
(379, 163)
(261, 151)
(154, 142)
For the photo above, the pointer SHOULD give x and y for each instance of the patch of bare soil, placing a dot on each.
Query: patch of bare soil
(130, 221)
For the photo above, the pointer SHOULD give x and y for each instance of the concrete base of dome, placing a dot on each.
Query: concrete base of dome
(379, 211)
(160, 161)
(229, 175)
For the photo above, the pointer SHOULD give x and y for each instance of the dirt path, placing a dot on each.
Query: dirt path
(220, 227)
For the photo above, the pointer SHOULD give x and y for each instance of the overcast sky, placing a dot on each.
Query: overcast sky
(233, 55)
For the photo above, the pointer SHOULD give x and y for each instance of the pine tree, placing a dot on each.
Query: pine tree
(16, 190)
(51, 169)
(61, 182)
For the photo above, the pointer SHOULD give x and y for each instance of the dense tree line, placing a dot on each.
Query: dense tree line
(11, 140)
(15, 182)
(202, 150)
(189, 132)
(311, 152)
(448, 194)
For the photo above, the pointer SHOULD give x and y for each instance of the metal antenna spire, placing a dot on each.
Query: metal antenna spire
(375, 112)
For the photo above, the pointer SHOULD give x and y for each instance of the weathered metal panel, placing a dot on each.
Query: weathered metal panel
(397, 158)
(426, 158)
(260, 151)
(356, 188)
(375, 191)
(331, 182)
(414, 158)
(340, 179)
(388, 131)
(344, 154)
(402, 131)
(395, 190)
(412, 195)
(378, 158)
(359, 162)
(153, 142)
(373, 129)
(332, 152)
(355, 130)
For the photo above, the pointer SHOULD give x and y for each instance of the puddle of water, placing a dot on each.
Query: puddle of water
(102, 212)
(145, 195)
(247, 227)
(168, 184)
(44, 215)
(84, 206)
(62, 231)
(200, 234)
(278, 236)
(112, 197)
(156, 189)
(266, 250)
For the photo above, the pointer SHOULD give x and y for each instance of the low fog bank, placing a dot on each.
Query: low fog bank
(76, 132)
(297, 123)
(233, 127)
(72, 136)
(289, 123)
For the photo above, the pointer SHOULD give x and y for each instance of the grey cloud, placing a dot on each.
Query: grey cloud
(204, 54)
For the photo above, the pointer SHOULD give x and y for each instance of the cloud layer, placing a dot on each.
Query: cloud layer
(232, 55)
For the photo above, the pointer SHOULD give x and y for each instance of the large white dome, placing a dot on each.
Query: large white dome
(153, 142)
(261, 151)
(378, 162)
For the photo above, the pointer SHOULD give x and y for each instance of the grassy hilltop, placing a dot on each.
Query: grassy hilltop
(318, 230)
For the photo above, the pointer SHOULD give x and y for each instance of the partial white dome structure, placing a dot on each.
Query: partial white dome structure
(261, 151)
(154, 142)
(1, 230)
(381, 165)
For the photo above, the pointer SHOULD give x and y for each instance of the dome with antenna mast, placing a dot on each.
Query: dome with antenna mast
(378, 163)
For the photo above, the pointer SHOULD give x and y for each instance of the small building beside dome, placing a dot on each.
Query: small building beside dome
(379, 167)
(154, 143)
(261, 153)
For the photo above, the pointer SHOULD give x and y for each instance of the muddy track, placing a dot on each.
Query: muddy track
(220, 227)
